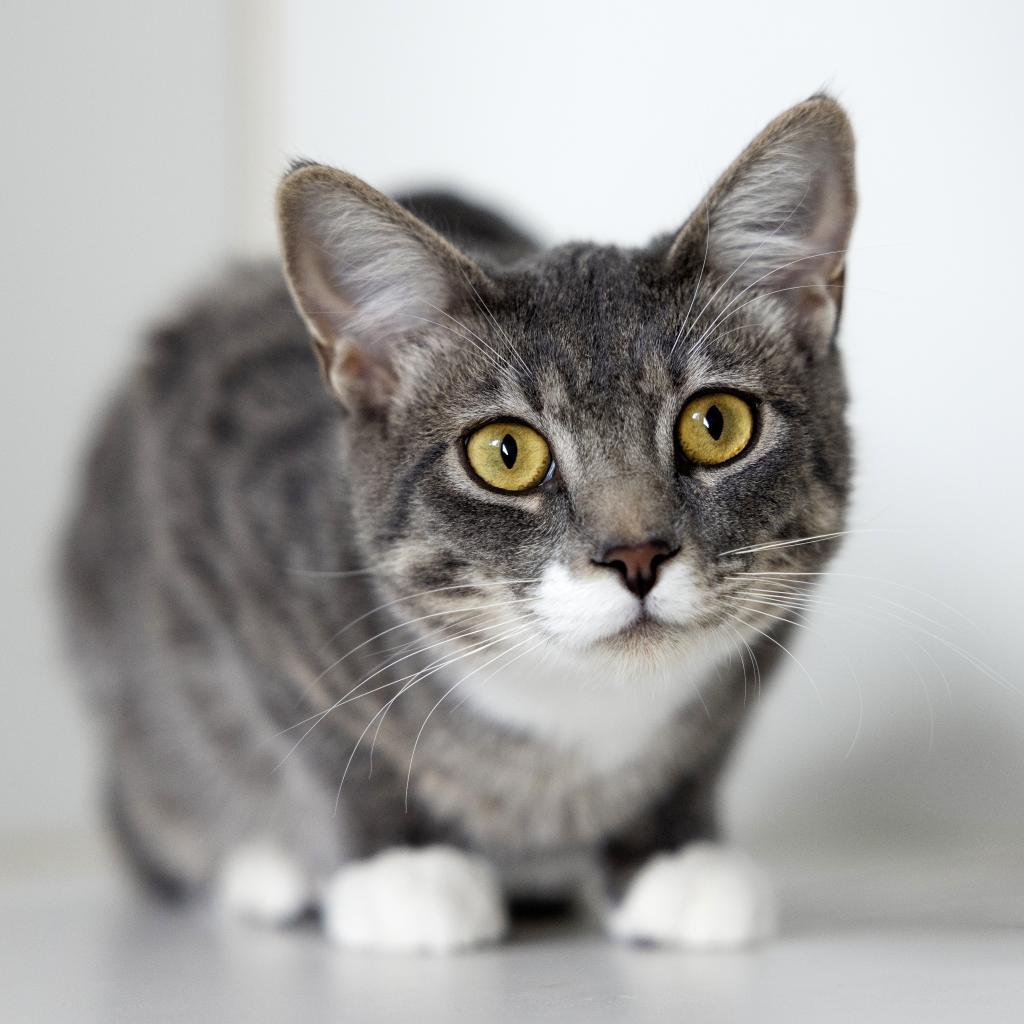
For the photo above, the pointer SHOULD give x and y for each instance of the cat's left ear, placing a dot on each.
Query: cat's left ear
(367, 276)
(779, 220)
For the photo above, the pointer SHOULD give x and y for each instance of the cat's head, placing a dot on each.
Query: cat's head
(587, 447)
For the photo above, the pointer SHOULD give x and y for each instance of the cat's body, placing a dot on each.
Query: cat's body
(252, 552)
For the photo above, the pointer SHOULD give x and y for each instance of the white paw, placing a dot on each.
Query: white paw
(703, 897)
(261, 883)
(434, 900)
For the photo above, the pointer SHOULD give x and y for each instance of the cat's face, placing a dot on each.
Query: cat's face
(580, 449)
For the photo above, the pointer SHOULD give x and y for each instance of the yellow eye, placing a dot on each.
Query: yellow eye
(509, 456)
(714, 428)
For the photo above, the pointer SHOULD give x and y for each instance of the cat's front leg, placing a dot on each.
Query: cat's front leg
(434, 899)
(704, 896)
(672, 883)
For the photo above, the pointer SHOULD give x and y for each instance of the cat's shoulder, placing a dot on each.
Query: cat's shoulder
(238, 329)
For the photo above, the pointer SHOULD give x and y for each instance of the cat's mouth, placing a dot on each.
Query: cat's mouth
(644, 630)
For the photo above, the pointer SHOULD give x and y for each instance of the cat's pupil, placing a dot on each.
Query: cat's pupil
(509, 450)
(714, 421)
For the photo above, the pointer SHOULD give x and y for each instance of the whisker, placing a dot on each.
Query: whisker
(477, 336)
(756, 298)
(860, 709)
(913, 665)
(853, 674)
(756, 606)
(888, 617)
(482, 347)
(700, 278)
(768, 573)
(781, 647)
(418, 677)
(806, 597)
(475, 650)
(421, 650)
(450, 690)
(426, 634)
(938, 668)
(814, 601)
(426, 593)
(733, 634)
(763, 277)
(351, 694)
(400, 625)
(494, 320)
(420, 618)
(764, 241)
(741, 327)
(488, 678)
(795, 542)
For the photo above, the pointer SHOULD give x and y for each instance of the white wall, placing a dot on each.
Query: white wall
(145, 140)
(114, 197)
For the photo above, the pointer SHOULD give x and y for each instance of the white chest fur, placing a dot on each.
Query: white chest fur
(588, 704)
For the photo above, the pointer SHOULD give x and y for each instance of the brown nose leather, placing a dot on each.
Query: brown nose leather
(637, 564)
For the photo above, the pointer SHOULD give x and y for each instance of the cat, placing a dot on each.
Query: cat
(471, 597)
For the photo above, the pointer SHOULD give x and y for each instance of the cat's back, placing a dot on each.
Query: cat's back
(210, 394)
(239, 331)
(207, 383)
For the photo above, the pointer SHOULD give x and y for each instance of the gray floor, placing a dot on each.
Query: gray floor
(882, 938)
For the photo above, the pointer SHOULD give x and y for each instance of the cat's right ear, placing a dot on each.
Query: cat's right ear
(367, 277)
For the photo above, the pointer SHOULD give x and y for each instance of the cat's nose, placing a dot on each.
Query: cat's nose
(637, 564)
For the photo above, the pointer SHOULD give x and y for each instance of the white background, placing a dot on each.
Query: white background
(143, 142)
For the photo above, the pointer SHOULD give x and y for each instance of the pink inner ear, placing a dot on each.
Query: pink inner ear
(365, 275)
(781, 219)
(359, 379)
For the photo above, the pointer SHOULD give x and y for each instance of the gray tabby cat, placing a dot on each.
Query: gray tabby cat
(484, 616)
